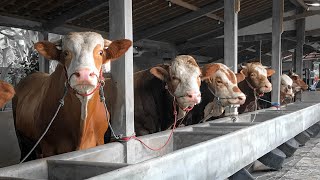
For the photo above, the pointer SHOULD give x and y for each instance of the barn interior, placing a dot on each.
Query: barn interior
(284, 35)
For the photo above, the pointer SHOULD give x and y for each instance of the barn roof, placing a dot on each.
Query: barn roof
(172, 21)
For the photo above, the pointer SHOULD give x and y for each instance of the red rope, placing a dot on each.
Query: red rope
(166, 143)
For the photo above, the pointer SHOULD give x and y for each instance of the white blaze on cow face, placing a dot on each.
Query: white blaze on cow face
(286, 86)
(257, 76)
(183, 80)
(224, 83)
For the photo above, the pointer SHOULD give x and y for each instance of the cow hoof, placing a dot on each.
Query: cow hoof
(302, 138)
(314, 130)
(289, 147)
(242, 174)
(273, 159)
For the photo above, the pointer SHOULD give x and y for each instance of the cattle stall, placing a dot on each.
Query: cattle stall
(212, 150)
(279, 33)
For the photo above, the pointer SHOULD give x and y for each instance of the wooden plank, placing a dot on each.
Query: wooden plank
(195, 8)
(276, 63)
(179, 20)
(76, 12)
(303, 14)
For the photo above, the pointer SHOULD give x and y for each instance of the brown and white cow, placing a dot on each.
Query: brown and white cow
(6, 93)
(156, 88)
(219, 91)
(255, 84)
(82, 121)
(298, 84)
(286, 90)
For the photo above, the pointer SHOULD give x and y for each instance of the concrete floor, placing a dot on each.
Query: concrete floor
(304, 165)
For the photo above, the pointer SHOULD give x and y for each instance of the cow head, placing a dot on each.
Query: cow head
(223, 83)
(257, 76)
(183, 81)
(298, 83)
(286, 90)
(83, 53)
(6, 93)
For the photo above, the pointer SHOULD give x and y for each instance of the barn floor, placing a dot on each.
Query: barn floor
(305, 164)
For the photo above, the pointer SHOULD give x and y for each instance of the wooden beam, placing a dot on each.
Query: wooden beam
(179, 21)
(76, 12)
(195, 8)
(276, 63)
(38, 26)
(301, 15)
(300, 3)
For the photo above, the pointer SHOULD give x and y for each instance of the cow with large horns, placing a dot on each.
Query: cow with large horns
(6, 93)
(82, 121)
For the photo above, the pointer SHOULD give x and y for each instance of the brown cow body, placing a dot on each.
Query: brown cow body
(6, 93)
(82, 121)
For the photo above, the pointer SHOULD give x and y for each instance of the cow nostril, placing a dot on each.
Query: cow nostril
(91, 74)
(77, 74)
(240, 98)
(190, 96)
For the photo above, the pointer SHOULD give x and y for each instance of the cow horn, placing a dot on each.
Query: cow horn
(243, 66)
(266, 67)
(58, 42)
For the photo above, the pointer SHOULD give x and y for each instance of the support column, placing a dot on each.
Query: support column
(300, 31)
(276, 62)
(231, 8)
(43, 63)
(258, 50)
(120, 23)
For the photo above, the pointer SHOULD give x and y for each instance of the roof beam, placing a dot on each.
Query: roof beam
(38, 26)
(195, 8)
(302, 15)
(179, 21)
(77, 11)
(300, 3)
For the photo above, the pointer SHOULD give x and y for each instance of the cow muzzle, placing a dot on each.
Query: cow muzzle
(188, 101)
(83, 81)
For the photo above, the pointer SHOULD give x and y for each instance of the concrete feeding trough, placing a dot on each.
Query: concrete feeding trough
(194, 152)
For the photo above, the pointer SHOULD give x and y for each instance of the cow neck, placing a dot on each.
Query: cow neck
(82, 125)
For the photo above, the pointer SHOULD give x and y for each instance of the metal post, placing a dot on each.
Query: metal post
(276, 64)
(231, 8)
(120, 20)
(300, 29)
(43, 63)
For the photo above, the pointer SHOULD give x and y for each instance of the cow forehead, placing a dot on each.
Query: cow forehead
(226, 75)
(80, 42)
(260, 69)
(286, 79)
(184, 66)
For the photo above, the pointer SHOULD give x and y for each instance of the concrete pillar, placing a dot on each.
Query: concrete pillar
(231, 39)
(276, 62)
(43, 63)
(300, 31)
(120, 23)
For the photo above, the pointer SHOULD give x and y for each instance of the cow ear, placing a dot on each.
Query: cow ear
(160, 72)
(294, 77)
(6, 92)
(48, 50)
(270, 72)
(115, 49)
(240, 77)
(208, 70)
(244, 71)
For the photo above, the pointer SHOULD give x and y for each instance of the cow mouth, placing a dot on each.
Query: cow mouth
(189, 108)
(84, 88)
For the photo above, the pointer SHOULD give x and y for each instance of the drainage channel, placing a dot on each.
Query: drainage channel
(212, 150)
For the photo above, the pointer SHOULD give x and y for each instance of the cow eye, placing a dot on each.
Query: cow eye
(66, 53)
(100, 52)
(219, 82)
(175, 78)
